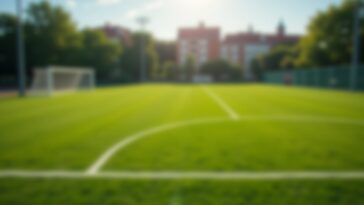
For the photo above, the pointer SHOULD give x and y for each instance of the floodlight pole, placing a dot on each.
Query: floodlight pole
(142, 21)
(356, 46)
(20, 51)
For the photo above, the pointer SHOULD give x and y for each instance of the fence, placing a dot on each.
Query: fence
(329, 77)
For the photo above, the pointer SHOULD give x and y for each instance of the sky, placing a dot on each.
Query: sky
(166, 16)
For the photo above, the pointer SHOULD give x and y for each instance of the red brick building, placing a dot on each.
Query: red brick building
(242, 48)
(202, 43)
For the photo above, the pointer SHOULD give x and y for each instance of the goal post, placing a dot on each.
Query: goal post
(59, 79)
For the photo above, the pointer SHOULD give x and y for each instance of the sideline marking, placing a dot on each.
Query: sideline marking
(199, 175)
(232, 114)
(101, 161)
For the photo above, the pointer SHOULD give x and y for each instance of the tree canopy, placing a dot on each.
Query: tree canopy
(280, 57)
(51, 35)
(52, 38)
(7, 42)
(100, 53)
(329, 41)
(131, 60)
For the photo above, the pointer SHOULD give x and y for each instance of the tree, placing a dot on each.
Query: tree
(329, 38)
(166, 51)
(281, 57)
(100, 53)
(328, 42)
(131, 60)
(153, 66)
(8, 48)
(168, 71)
(189, 68)
(221, 70)
(51, 36)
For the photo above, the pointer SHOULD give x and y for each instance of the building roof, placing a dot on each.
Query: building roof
(199, 32)
(253, 37)
(243, 38)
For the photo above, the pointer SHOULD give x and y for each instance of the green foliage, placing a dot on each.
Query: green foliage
(280, 57)
(7, 48)
(51, 36)
(329, 41)
(166, 51)
(53, 39)
(168, 70)
(100, 53)
(329, 38)
(221, 70)
(153, 66)
(131, 60)
(189, 69)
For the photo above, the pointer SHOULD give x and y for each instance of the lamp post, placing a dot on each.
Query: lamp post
(142, 22)
(20, 51)
(358, 12)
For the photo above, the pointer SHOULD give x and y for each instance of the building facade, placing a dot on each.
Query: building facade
(242, 48)
(201, 43)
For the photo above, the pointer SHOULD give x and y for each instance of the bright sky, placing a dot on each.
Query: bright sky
(166, 16)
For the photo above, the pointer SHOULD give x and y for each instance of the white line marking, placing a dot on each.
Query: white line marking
(93, 171)
(232, 114)
(302, 118)
(201, 175)
(97, 165)
(101, 161)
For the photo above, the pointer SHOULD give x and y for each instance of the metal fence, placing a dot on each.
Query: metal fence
(328, 77)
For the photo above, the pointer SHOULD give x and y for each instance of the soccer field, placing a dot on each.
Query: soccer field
(184, 144)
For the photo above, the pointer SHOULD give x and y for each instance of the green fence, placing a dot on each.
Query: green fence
(329, 77)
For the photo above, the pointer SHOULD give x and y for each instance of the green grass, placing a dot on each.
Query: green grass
(70, 132)
(252, 146)
(95, 192)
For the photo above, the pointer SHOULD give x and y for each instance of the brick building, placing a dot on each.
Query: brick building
(242, 48)
(202, 43)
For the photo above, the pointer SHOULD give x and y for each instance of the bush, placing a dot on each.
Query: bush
(222, 71)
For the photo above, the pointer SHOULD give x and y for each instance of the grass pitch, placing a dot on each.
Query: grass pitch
(280, 129)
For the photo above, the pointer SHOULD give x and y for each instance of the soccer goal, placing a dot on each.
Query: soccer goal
(60, 79)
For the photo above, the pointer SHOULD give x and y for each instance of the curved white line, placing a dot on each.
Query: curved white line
(101, 161)
(95, 167)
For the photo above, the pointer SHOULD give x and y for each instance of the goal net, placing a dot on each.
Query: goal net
(58, 79)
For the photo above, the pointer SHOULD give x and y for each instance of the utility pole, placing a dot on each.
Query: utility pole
(142, 22)
(358, 10)
(20, 51)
